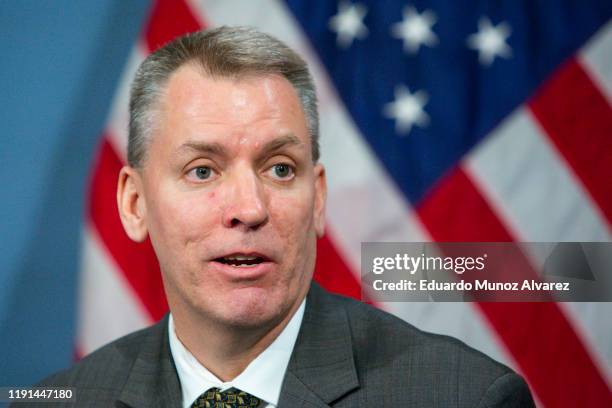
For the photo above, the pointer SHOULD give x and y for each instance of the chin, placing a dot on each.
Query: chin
(253, 307)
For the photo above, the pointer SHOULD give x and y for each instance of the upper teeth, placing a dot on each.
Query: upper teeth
(241, 258)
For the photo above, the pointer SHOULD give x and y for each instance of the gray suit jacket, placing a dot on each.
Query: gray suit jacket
(347, 355)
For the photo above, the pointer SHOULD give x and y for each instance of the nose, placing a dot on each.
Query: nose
(246, 205)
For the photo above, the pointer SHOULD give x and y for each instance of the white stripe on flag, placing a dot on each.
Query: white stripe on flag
(108, 308)
(119, 118)
(591, 321)
(596, 59)
(527, 182)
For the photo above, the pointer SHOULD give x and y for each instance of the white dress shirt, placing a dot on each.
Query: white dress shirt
(262, 378)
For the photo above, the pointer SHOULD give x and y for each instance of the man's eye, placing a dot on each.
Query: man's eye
(282, 171)
(202, 172)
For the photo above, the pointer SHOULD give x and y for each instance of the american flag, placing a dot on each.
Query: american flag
(440, 121)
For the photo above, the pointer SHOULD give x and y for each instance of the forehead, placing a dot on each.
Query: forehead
(266, 102)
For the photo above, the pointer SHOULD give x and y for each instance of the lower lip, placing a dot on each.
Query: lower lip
(238, 273)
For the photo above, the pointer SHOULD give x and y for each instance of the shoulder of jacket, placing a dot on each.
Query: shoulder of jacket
(382, 334)
(107, 366)
(389, 350)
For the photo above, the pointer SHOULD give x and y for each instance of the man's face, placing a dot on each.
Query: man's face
(232, 200)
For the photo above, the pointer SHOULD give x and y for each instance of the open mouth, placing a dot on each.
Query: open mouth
(241, 261)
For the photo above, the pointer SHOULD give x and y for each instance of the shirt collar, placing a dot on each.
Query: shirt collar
(263, 377)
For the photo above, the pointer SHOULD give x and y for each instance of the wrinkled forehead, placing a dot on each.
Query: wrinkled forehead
(241, 109)
(190, 88)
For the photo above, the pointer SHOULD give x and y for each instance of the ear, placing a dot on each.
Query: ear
(320, 199)
(131, 203)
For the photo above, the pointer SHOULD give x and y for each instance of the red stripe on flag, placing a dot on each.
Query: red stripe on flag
(578, 119)
(456, 209)
(136, 261)
(536, 334)
(332, 272)
(168, 20)
(550, 354)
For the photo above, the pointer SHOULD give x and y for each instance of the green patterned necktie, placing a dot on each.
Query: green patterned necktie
(231, 398)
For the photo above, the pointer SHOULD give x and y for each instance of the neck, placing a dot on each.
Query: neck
(225, 351)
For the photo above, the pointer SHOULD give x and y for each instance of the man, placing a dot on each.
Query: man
(224, 178)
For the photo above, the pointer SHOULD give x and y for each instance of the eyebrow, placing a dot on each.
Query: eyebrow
(281, 142)
(202, 147)
(217, 149)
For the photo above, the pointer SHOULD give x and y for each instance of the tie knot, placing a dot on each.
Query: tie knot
(232, 398)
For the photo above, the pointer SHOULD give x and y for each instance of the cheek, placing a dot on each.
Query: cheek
(181, 219)
(294, 222)
(292, 213)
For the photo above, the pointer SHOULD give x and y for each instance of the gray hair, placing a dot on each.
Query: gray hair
(220, 52)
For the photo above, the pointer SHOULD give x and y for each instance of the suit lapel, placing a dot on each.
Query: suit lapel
(153, 381)
(322, 367)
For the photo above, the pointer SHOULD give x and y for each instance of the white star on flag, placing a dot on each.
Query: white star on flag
(348, 23)
(415, 29)
(490, 41)
(407, 109)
